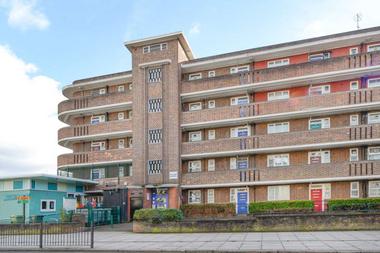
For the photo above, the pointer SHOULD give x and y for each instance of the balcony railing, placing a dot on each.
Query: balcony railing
(284, 72)
(219, 145)
(92, 101)
(96, 129)
(94, 157)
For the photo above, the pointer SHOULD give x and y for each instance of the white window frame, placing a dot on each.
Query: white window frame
(211, 165)
(100, 144)
(121, 171)
(121, 143)
(239, 69)
(101, 171)
(197, 199)
(354, 85)
(210, 196)
(234, 131)
(130, 114)
(211, 104)
(235, 100)
(354, 122)
(282, 163)
(375, 80)
(192, 139)
(120, 88)
(352, 49)
(211, 73)
(377, 117)
(278, 63)
(194, 166)
(373, 192)
(325, 123)
(244, 159)
(233, 163)
(325, 89)
(278, 95)
(48, 209)
(211, 134)
(354, 190)
(278, 192)
(377, 48)
(280, 127)
(130, 86)
(102, 91)
(120, 115)
(373, 156)
(354, 158)
(325, 156)
(195, 76)
(98, 119)
(130, 142)
(234, 192)
(198, 106)
(147, 49)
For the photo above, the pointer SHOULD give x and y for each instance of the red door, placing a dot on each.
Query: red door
(316, 196)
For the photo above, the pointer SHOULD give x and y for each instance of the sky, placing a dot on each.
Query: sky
(45, 45)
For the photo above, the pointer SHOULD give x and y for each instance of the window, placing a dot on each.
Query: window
(319, 90)
(239, 69)
(354, 154)
(211, 73)
(130, 86)
(52, 186)
(98, 119)
(278, 192)
(154, 105)
(211, 164)
(354, 50)
(278, 160)
(155, 136)
(276, 95)
(195, 136)
(18, 184)
(130, 142)
(354, 85)
(320, 56)
(373, 117)
(210, 196)
(282, 127)
(237, 132)
(374, 189)
(195, 106)
(120, 116)
(233, 163)
(102, 91)
(154, 167)
(278, 63)
(316, 157)
(242, 163)
(240, 100)
(194, 166)
(97, 174)
(373, 48)
(47, 205)
(154, 75)
(315, 124)
(121, 143)
(373, 82)
(155, 48)
(211, 104)
(194, 196)
(354, 120)
(195, 76)
(130, 114)
(98, 146)
(374, 153)
(120, 88)
(211, 134)
(354, 190)
(121, 171)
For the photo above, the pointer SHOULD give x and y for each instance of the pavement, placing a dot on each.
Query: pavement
(341, 241)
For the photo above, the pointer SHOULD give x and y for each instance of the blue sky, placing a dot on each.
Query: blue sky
(46, 44)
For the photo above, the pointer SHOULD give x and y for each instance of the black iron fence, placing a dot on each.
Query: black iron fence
(46, 235)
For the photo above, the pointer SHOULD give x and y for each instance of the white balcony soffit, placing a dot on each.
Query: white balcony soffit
(94, 137)
(81, 165)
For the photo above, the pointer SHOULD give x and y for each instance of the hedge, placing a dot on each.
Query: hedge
(354, 204)
(281, 206)
(158, 215)
(208, 210)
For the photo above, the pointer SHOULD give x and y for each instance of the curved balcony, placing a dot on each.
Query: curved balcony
(94, 104)
(334, 69)
(79, 133)
(84, 159)
(296, 107)
(289, 174)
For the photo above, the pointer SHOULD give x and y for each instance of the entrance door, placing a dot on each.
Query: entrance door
(136, 203)
(316, 195)
(242, 202)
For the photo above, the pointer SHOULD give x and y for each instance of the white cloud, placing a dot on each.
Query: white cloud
(28, 108)
(23, 14)
(195, 29)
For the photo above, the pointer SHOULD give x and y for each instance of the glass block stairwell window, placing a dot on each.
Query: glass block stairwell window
(154, 105)
(154, 167)
(154, 75)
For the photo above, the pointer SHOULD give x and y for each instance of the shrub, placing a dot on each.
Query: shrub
(354, 204)
(157, 216)
(209, 210)
(281, 206)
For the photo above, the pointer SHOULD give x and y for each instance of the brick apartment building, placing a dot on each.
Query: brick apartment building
(297, 120)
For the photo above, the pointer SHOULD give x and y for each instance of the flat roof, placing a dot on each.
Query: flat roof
(43, 176)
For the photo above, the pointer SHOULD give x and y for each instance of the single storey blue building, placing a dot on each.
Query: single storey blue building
(43, 194)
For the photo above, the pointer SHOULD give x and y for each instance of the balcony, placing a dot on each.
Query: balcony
(296, 173)
(79, 105)
(302, 105)
(95, 158)
(338, 68)
(89, 132)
